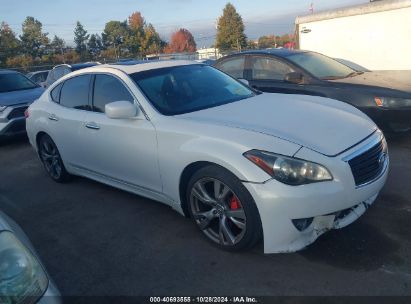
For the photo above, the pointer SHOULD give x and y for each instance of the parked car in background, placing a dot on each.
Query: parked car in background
(17, 92)
(383, 96)
(63, 69)
(243, 165)
(206, 61)
(23, 278)
(39, 77)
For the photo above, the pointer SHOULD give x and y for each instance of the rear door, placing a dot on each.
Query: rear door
(66, 116)
(124, 150)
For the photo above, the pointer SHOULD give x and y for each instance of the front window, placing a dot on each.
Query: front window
(108, 89)
(15, 82)
(189, 88)
(321, 66)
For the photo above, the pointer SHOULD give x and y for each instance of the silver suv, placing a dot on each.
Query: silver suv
(63, 69)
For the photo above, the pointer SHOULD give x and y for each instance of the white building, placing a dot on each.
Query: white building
(208, 53)
(375, 35)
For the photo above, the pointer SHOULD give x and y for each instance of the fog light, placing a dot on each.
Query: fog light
(302, 224)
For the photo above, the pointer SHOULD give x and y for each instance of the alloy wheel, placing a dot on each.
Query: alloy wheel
(51, 158)
(218, 212)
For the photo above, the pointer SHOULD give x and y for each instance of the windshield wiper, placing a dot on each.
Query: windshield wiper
(355, 73)
(352, 74)
(332, 77)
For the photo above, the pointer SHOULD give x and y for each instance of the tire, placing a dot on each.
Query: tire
(223, 209)
(51, 159)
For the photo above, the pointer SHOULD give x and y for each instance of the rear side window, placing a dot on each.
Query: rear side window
(75, 91)
(267, 68)
(233, 67)
(108, 89)
(55, 93)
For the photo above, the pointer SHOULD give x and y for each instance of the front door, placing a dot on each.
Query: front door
(267, 74)
(123, 150)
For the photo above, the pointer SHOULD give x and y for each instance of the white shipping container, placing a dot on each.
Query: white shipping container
(375, 35)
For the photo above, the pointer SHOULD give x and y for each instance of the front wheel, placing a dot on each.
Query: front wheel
(223, 209)
(51, 159)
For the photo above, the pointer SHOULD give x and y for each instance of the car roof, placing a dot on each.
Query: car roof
(135, 66)
(8, 72)
(79, 66)
(275, 52)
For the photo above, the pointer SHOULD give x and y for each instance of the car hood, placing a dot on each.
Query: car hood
(321, 124)
(396, 80)
(20, 97)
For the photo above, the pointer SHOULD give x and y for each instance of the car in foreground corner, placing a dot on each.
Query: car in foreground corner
(23, 278)
(385, 96)
(17, 92)
(241, 164)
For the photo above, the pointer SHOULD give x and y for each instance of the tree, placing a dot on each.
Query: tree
(143, 38)
(33, 40)
(181, 41)
(9, 44)
(114, 36)
(136, 21)
(266, 42)
(94, 45)
(23, 61)
(80, 39)
(57, 45)
(230, 30)
(151, 43)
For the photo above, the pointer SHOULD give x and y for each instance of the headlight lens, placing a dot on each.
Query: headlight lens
(22, 278)
(289, 170)
(388, 102)
(2, 108)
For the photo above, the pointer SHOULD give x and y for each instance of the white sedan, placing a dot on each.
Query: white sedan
(243, 165)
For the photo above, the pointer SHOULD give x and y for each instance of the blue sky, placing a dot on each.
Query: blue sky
(261, 17)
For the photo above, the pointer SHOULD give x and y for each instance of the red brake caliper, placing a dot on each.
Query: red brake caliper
(234, 203)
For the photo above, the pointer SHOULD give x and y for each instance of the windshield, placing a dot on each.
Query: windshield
(15, 82)
(189, 88)
(321, 66)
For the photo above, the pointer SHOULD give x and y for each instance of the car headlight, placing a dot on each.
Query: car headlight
(289, 170)
(388, 102)
(22, 278)
(2, 108)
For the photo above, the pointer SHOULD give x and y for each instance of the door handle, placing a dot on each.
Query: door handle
(92, 125)
(53, 117)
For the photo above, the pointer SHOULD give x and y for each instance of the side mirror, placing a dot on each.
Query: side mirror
(121, 110)
(294, 77)
(245, 81)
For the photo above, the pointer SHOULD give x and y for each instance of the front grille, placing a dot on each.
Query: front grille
(17, 113)
(368, 165)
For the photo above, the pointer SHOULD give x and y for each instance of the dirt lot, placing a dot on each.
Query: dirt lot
(96, 240)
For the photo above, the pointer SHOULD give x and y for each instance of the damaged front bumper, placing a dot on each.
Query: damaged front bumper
(293, 217)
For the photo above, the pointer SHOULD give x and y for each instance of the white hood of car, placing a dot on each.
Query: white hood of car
(324, 125)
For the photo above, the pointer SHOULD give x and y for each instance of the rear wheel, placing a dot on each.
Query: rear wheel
(223, 209)
(51, 159)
